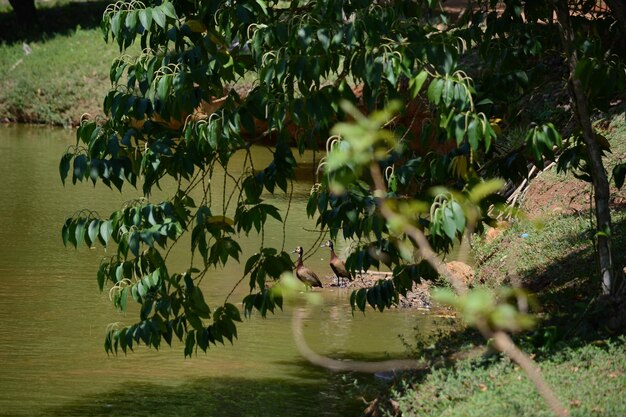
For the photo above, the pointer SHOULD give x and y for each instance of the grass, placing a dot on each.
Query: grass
(80, 66)
(590, 380)
(64, 76)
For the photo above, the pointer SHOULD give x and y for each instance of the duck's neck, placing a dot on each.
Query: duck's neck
(299, 262)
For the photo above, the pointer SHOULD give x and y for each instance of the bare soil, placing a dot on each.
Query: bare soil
(566, 195)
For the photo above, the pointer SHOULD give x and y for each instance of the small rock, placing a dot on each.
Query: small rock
(462, 271)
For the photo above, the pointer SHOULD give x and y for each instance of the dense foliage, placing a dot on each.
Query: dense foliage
(178, 110)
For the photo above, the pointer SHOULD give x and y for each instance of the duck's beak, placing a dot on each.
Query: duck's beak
(294, 251)
(324, 245)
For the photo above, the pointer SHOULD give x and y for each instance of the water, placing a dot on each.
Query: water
(53, 318)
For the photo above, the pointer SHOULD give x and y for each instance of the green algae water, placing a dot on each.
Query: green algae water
(53, 318)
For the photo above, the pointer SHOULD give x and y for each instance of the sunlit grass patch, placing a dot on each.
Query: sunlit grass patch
(59, 80)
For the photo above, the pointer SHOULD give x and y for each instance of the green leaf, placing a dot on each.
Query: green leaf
(106, 228)
(459, 216)
(505, 317)
(484, 102)
(263, 6)
(458, 122)
(322, 36)
(116, 23)
(251, 262)
(80, 168)
(435, 89)
(199, 305)
(64, 166)
(131, 20)
(123, 298)
(619, 172)
(553, 135)
(311, 205)
(145, 17)
(119, 272)
(448, 92)
(361, 299)
(449, 223)
(232, 312)
(484, 189)
(142, 290)
(71, 231)
(159, 16)
(133, 243)
(163, 87)
(490, 133)
(474, 131)
(534, 144)
(190, 342)
(93, 230)
(272, 211)
(80, 231)
(416, 83)
(65, 231)
(102, 276)
(372, 296)
(168, 10)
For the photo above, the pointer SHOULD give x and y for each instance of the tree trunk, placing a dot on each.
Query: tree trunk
(598, 173)
(25, 10)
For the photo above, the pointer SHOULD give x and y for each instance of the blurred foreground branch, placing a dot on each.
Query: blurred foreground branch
(502, 341)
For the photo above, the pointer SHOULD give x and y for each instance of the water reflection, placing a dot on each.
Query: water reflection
(53, 318)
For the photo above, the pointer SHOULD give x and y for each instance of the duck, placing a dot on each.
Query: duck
(304, 274)
(336, 264)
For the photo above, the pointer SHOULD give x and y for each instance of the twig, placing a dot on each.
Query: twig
(18, 62)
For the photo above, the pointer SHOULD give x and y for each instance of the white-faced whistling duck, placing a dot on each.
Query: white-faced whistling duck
(304, 274)
(336, 264)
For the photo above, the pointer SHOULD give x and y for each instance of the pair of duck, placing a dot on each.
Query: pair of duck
(309, 278)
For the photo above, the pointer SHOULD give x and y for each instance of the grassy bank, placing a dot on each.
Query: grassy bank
(65, 73)
(549, 251)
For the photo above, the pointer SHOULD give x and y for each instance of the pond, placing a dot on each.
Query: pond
(53, 318)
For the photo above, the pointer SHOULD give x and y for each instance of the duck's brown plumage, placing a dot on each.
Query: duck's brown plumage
(304, 274)
(336, 264)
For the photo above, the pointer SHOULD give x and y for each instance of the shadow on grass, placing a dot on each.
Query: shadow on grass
(221, 397)
(568, 290)
(568, 295)
(52, 21)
